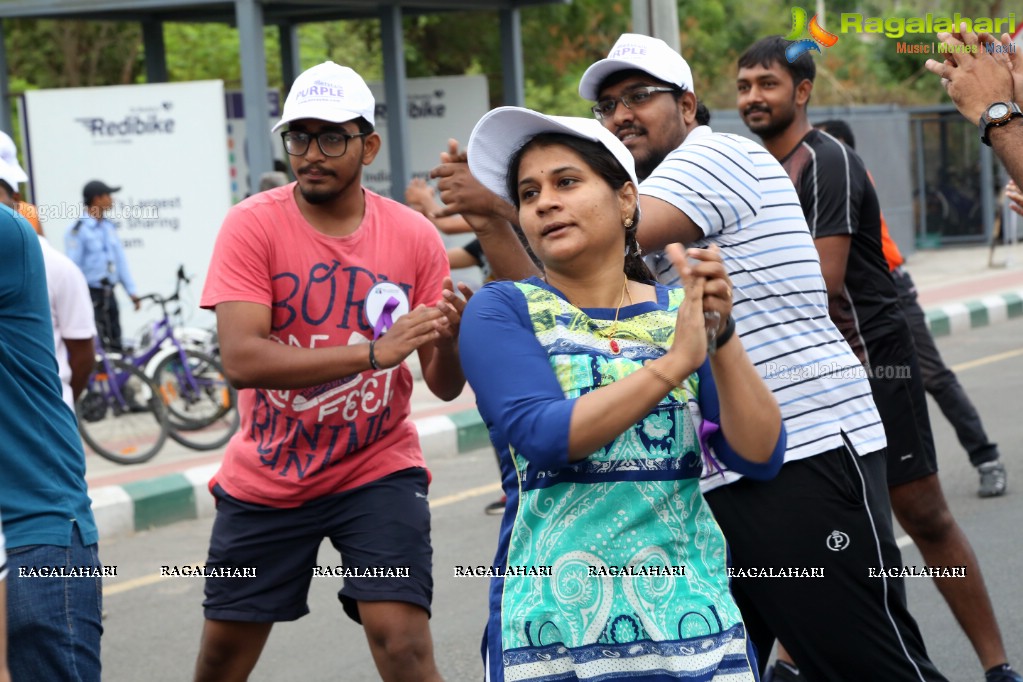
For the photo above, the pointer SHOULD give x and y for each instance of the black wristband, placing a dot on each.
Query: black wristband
(373, 358)
(728, 333)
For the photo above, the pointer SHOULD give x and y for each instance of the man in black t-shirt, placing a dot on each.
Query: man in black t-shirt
(843, 215)
(838, 201)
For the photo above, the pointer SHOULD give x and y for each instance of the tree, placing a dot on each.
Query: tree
(44, 53)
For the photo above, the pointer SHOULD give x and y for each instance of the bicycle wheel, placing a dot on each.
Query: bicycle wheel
(120, 415)
(202, 407)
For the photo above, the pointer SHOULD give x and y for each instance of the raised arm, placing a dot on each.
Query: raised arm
(420, 196)
(976, 79)
(490, 217)
(698, 191)
(663, 224)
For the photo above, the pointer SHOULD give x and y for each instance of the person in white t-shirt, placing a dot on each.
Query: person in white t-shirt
(74, 325)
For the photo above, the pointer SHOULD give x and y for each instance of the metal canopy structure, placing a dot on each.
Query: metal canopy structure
(250, 17)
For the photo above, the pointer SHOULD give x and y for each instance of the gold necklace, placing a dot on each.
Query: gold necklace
(615, 348)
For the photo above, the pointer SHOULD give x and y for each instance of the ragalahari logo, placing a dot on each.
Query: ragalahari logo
(818, 36)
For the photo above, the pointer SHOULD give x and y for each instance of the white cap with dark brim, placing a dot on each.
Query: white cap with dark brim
(636, 51)
(12, 175)
(328, 92)
(503, 131)
(9, 155)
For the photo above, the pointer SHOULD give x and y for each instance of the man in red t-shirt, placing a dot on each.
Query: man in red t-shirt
(321, 290)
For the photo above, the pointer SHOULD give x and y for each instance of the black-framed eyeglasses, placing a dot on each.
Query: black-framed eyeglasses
(605, 108)
(331, 142)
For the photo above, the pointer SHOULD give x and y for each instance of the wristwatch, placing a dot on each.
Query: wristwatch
(997, 114)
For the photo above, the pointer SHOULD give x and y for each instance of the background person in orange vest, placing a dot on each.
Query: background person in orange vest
(939, 380)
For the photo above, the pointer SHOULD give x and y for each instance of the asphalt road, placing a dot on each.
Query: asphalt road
(153, 624)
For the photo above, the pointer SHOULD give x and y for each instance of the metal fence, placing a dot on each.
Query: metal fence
(936, 182)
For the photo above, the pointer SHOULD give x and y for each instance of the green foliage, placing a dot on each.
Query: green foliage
(558, 40)
(712, 36)
(55, 54)
(352, 43)
(558, 97)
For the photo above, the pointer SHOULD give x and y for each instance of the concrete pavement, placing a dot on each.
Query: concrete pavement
(961, 289)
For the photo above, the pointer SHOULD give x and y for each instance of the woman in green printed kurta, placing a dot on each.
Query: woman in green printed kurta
(596, 387)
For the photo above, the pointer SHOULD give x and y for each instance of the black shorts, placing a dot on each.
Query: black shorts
(381, 529)
(898, 390)
(830, 512)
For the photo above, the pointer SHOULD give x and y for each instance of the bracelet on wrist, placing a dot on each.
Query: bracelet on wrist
(372, 357)
(661, 375)
(728, 333)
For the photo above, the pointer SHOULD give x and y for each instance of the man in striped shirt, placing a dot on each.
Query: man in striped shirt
(829, 505)
(843, 215)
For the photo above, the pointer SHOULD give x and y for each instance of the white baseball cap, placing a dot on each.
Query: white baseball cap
(9, 155)
(328, 92)
(636, 51)
(10, 174)
(503, 131)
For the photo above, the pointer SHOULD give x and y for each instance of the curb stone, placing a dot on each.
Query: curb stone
(953, 318)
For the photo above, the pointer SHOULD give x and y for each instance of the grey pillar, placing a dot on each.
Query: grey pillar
(156, 54)
(5, 87)
(921, 181)
(657, 18)
(397, 99)
(291, 62)
(249, 14)
(512, 69)
(987, 192)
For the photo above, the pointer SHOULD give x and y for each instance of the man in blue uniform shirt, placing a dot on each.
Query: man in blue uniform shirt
(93, 244)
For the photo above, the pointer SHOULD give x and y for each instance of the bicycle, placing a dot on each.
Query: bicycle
(121, 414)
(202, 406)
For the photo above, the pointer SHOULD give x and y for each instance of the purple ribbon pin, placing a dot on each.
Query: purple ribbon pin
(704, 432)
(385, 322)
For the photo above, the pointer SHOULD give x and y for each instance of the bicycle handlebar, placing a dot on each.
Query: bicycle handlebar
(176, 296)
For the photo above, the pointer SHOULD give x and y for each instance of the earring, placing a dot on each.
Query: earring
(627, 223)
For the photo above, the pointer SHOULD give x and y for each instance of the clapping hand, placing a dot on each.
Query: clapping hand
(452, 306)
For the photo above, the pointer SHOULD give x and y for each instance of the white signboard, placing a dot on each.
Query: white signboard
(164, 145)
(438, 109)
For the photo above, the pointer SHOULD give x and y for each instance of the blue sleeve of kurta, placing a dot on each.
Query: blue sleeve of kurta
(517, 393)
(710, 408)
